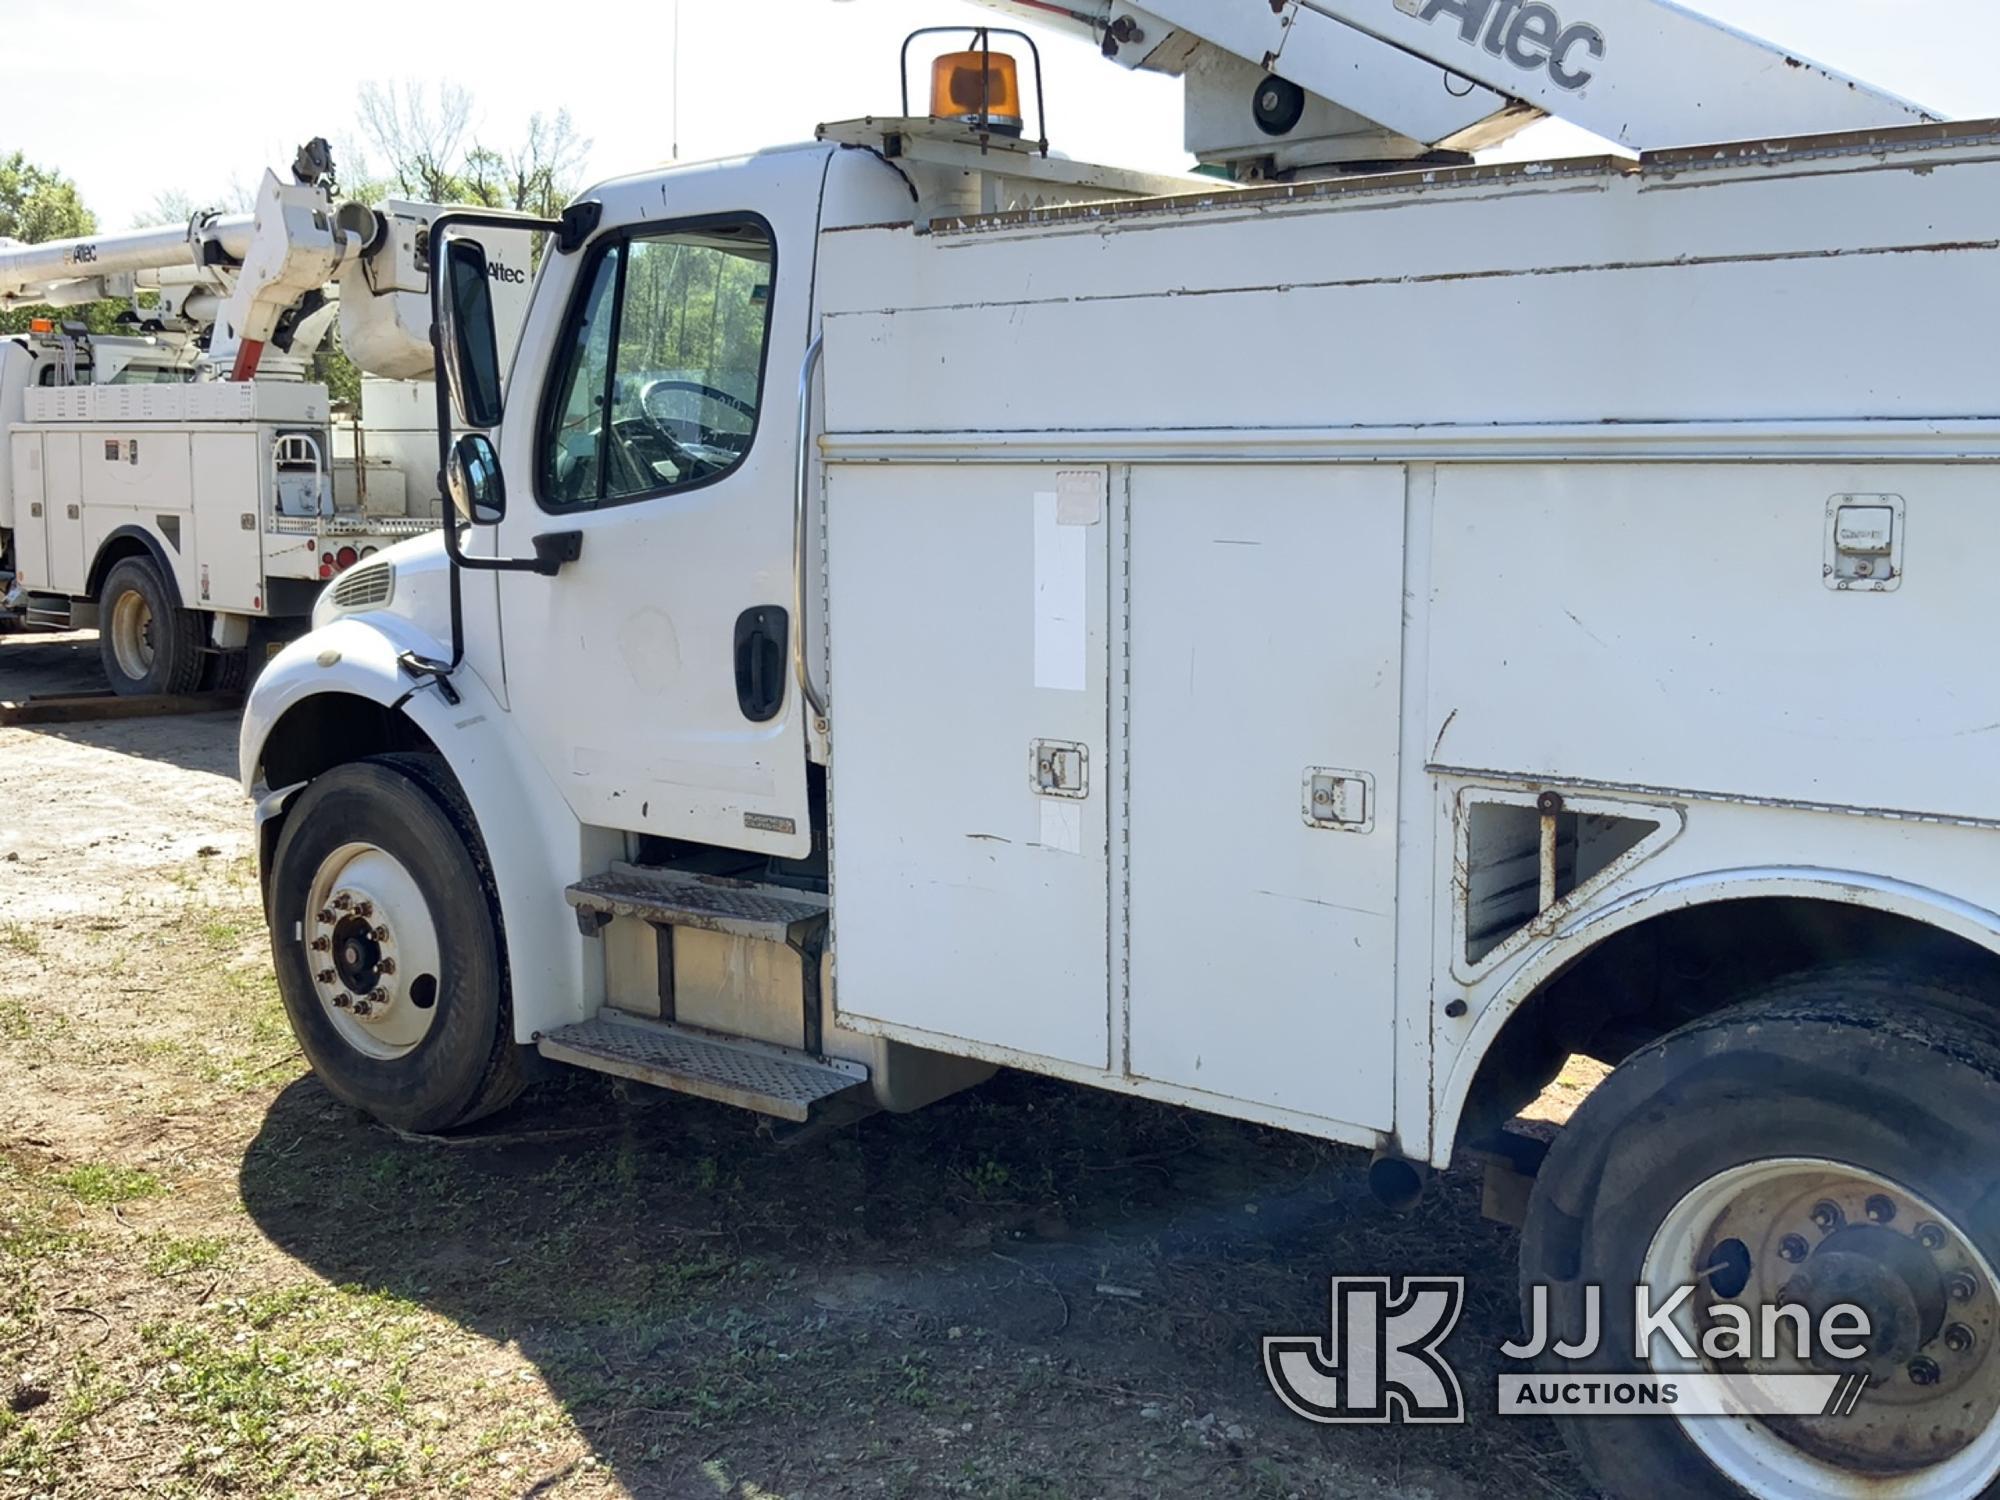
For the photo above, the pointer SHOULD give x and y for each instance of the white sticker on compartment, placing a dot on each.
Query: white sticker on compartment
(1079, 497)
(1062, 826)
(1062, 599)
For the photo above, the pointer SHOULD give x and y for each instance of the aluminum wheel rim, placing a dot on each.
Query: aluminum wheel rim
(1778, 1211)
(372, 951)
(132, 634)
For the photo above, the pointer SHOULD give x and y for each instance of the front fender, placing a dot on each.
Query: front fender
(534, 843)
(1587, 929)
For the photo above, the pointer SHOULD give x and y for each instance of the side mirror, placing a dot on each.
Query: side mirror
(471, 349)
(478, 493)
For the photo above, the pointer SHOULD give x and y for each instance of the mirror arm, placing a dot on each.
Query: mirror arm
(554, 548)
(440, 226)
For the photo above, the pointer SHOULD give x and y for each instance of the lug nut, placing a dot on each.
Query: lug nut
(1958, 1338)
(1880, 1209)
(1930, 1236)
(326, 916)
(325, 976)
(362, 1007)
(364, 909)
(386, 966)
(321, 944)
(379, 996)
(1827, 1216)
(1923, 1371)
(342, 1000)
(1960, 1286)
(342, 901)
(1793, 1247)
(381, 934)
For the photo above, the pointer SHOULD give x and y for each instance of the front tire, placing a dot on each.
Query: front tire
(146, 643)
(1830, 1142)
(386, 937)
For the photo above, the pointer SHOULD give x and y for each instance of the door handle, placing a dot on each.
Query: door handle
(761, 635)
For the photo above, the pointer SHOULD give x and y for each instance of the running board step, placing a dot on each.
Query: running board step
(668, 898)
(750, 1075)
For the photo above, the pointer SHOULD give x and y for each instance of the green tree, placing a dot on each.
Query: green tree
(331, 367)
(38, 203)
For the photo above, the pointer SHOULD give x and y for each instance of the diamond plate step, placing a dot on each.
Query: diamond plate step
(711, 902)
(749, 1075)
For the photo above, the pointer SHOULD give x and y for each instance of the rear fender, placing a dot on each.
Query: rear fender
(535, 845)
(1587, 929)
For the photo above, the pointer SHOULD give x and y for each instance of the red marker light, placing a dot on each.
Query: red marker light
(347, 557)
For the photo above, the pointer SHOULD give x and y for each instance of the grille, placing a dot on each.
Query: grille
(365, 587)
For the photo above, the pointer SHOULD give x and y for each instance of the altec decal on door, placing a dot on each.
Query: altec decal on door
(1532, 36)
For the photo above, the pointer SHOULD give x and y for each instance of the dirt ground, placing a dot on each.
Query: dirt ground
(214, 1280)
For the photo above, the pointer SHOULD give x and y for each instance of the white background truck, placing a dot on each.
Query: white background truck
(184, 487)
(1322, 647)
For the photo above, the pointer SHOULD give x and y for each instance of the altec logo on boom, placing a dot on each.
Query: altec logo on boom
(1529, 34)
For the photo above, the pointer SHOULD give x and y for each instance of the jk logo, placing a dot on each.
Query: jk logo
(1382, 1362)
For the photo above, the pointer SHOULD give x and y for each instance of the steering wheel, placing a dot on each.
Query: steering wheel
(653, 388)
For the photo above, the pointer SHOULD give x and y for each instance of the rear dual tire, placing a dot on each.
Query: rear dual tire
(1842, 1130)
(146, 642)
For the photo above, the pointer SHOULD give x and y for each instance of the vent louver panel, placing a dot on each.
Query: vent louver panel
(365, 587)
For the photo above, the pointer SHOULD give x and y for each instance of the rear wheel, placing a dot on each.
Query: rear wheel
(147, 643)
(226, 671)
(1829, 1144)
(385, 933)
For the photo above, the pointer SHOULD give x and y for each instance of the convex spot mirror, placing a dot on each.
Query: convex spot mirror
(471, 347)
(478, 493)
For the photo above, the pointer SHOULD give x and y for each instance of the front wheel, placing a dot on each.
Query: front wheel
(385, 934)
(1831, 1144)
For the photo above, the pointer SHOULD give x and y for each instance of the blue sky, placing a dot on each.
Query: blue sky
(209, 109)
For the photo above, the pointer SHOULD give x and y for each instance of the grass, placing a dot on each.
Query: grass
(178, 1255)
(31, 1232)
(104, 1184)
(21, 939)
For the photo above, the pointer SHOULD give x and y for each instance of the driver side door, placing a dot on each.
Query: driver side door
(653, 674)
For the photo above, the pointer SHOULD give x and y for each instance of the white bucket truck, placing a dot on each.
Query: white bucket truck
(1322, 646)
(182, 486)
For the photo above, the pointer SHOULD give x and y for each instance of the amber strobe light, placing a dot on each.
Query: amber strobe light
(977, 87)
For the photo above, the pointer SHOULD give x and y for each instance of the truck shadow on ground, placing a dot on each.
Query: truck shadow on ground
(41, 665)
(194, 742)
(1030, 1289)
(35, 662)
